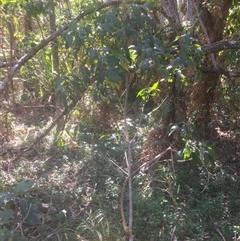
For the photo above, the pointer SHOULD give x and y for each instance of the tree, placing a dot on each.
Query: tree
(170, 54)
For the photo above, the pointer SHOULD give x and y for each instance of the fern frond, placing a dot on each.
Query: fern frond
(166, 108)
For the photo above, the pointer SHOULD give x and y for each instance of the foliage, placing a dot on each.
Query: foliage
(195, 149)
(18, 209)
(96, 227)
(123, 72)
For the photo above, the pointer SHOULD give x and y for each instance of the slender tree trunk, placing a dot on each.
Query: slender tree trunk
(55, 57)
(172, 13)
(128, 156)
(55, 65)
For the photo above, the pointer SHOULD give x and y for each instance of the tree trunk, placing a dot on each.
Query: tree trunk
(204, 92)
(55, 57)
(55, 66)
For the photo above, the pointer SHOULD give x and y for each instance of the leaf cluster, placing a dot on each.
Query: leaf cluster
(21, 211)
(194, 148)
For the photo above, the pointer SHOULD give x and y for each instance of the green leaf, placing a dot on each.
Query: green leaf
(173, 129)
(148, 52)
(157, 42)
(135, 9)
(139, 48)
(61, 216)
(184, 60)
(111, 18)
(107, 27)
(186, 152)
(211, 152)
(143, 10)
(88, 29)
(196, 157)
(148, 4)
(92, 56)
(5, 216)
(31, 212)
(17, 237)
(23, 186)
(102, 148)
(134, 36)
(112, 152)
(4, 233)
(5, 198)
(102, 137)
(113, 75)
(177, 155)
(96, 96)
(61, 142)
(82, 32)
(86, 138)
(73, 26)
(155, 86)
(127, 54)
(69, 41)
(142, 94)
(140, 21)
(144, 65)
(207, 158)
(151, 23)
(120, 35)
(184, 131)
(111, 60)
(128, 30)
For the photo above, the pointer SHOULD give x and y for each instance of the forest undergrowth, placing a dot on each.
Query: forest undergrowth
(71, 190)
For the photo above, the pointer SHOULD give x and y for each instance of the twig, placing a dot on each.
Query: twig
(173, 237)
(19, 225)
(54, 232)
(115, 164)
(217, 230)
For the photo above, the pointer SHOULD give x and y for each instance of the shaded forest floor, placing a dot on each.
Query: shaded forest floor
(75, 191)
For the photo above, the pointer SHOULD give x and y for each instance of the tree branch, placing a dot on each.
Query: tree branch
(228, 73)
(32, 52)
(6, 64)
(220, 45)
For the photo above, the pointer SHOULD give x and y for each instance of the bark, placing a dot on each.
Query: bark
(172, 14)
(221, 45)
(55, 64)
(190, 16)
(204, 93)
(55, 58)
(169, 8)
